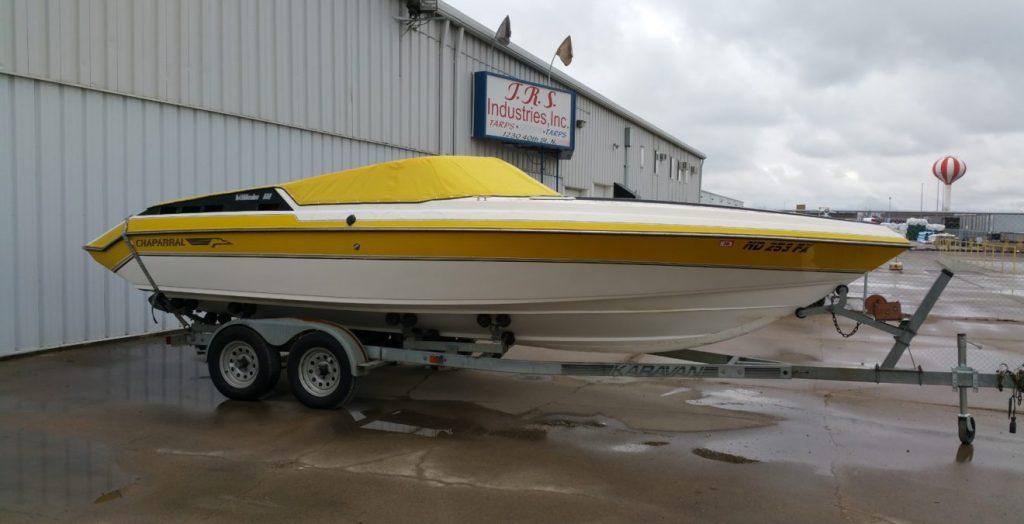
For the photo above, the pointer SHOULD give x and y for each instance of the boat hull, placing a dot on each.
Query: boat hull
(594, 275)
(562, 305)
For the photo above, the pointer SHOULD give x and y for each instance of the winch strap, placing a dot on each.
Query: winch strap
(152, 283)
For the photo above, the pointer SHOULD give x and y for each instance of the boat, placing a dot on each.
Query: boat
(462, 248)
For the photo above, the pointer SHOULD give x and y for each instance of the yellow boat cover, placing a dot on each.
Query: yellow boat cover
(417, 180)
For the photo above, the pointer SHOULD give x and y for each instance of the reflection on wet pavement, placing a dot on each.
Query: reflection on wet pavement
(406, 422)
(965, 453)
(722, 457)
(40, 468)
(132, 428)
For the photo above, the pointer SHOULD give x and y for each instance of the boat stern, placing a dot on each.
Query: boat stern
(109, 249)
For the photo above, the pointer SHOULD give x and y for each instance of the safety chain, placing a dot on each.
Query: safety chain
(1016, 395)
(835, 321)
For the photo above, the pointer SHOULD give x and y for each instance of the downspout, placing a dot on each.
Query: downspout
(558, 173)
(700, 180)
(440, 87)
(456, 49)
(541, 155)
(625, 154)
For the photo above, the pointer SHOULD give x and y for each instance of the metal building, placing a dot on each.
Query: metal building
(106, 107)
(714, 199)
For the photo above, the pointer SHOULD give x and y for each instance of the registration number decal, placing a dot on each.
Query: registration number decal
(777, 246)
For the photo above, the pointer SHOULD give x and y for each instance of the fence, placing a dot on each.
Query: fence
(1002, 257)
(985, 299)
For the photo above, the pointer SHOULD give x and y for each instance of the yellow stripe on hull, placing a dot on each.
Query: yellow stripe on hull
(561, 246)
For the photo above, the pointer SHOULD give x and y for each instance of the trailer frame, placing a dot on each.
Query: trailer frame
(281, 333)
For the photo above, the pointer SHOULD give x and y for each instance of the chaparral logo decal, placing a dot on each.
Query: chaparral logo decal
(180, 242)
(160, 242)
(208, 241)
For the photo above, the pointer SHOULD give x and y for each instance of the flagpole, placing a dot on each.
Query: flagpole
(551, 66)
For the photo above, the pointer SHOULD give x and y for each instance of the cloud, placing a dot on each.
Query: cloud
(789, 98)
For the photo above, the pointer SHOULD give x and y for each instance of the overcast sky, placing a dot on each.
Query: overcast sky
(829, 103)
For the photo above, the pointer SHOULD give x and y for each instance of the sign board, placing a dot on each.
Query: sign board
(519, 112)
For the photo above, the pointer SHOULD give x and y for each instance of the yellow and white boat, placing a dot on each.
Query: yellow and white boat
(451, 238)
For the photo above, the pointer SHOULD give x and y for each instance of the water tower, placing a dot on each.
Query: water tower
(948, 169)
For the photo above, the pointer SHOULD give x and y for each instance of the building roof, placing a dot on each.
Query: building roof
(481, 31)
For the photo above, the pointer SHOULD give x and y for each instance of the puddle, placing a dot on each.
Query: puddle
(410, 423)
(524, 433)
(675, 391)
(573, 422)
(711, 454)
(438, 419)
(397, 427)
(738, 398)
(654, 443)
(108, 496)
(629, 448)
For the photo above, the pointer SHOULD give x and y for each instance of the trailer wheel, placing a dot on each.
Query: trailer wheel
(966, 428)
(319, 371)
(242, 366)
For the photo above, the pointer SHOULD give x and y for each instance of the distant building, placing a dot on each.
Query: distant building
(966, 225)
(707, 197)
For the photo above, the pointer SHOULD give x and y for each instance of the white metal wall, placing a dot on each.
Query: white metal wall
(107, 106)
(77, 161)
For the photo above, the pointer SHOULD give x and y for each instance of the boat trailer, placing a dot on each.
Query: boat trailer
(325, 361)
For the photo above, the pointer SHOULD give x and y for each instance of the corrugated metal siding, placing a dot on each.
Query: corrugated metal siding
(1008, 223)
(323, 65)
(78, 161)
(109, 105)
(343, 67)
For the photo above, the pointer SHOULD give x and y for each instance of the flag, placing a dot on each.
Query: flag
(504, 33)
(565, 50)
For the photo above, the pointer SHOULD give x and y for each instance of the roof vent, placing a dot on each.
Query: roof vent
(418, 7)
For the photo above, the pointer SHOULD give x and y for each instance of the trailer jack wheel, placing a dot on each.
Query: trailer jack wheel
(965, 425)
(319, 372)
(242, 365)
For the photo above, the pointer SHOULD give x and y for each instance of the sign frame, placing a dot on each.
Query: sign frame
(480, 113)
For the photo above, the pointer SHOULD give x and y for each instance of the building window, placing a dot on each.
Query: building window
(655, 162)
(642, 158)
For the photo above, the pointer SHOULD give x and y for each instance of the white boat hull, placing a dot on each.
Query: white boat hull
(579, 306)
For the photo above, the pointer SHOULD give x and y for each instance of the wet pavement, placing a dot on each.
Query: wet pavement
(118, 431)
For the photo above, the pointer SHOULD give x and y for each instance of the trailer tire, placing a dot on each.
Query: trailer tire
(319, 371)
(242, 365)
(966, 429)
